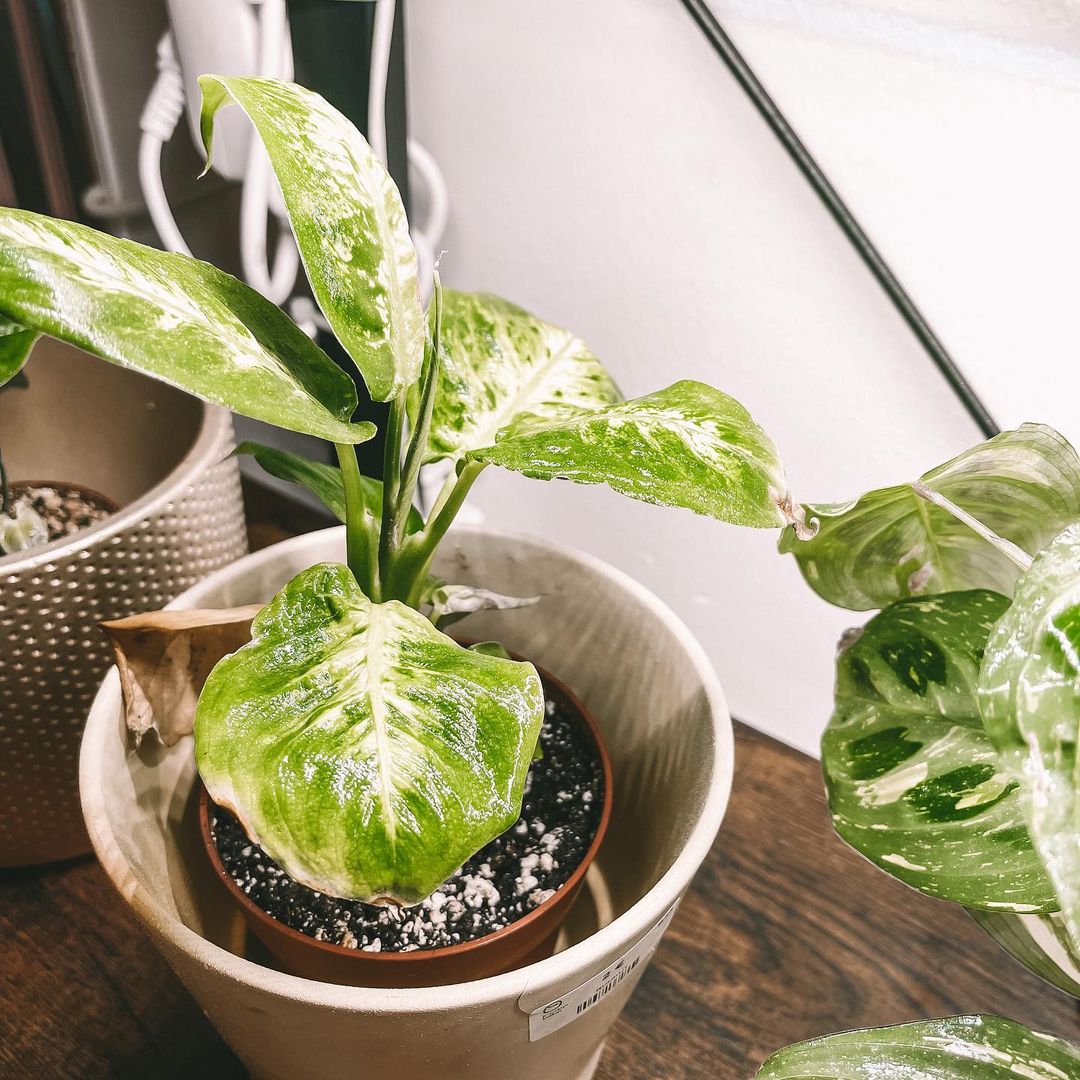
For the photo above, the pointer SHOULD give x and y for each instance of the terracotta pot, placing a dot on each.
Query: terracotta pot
(654, 697)
(526, 941)
(158, 454)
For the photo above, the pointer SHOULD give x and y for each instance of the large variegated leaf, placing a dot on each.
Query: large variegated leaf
(15, 345)
(503, 370)
(1039, 942)
(367, 752)
(322, 480)
(1029, 693)
(889, 543)
(688, 445)
(348, 221)
(956, 1048)
(175, 318)
(914, 783)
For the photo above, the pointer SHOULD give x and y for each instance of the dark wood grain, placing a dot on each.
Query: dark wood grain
(785, 934)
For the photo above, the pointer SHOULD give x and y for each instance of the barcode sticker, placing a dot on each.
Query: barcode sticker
(562, 1011)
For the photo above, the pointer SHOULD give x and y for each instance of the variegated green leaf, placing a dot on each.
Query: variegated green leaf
(1039, 942)
(15, 345)
(175, 318)
(322, 480)
(1029, 694)
(368, 753)
(889, 543)
(348, 221)
(956, 1048)
(913, 781)
(689, 446)
(503, 370)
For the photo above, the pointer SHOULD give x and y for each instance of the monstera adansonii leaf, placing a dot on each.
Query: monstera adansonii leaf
(956, 1048)
(1039, 942)
(504, 370)
(689, 446)
(348, 220)
(1023, 484)
(322, 480)
(913, 781)
(1029, 694)
(368, 753)
(175, 318)
(15, 345)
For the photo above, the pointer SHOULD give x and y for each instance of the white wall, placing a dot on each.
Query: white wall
(606, 173)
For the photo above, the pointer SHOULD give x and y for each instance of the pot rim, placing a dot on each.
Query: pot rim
(215, 427)
(420, 956)
(631, 924)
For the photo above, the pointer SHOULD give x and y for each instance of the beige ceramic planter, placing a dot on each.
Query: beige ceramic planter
(655, 696)
(158, 454)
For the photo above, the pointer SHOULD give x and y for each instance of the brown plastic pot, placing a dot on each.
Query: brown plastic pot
(530, 939)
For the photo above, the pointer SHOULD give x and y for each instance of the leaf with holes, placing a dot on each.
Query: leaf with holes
(503, 370)
(956, 1048)
(348, 221)
(175, 318)
(689, 446)
(889, 543)
(913, 781)
(1029, 693)
(368, 753)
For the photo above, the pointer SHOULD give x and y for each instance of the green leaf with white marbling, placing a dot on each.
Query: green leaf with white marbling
(322, 480)
(15, 345)
(348, 220)
(913, 781)
(175, 318)
(689, 446)
(502, 370)
(1029, 694)
(1023, 484)
(955, 1048)
(1039, 942)
(368, 753)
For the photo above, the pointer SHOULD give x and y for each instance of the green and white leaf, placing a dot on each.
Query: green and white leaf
(368, 753)
(503, 370)
(451, 603)
(1023, 484)
(689, 446)
(1029, 694)
(348, 220)
(175, 318)
(1039, 942)
(956, 1048)
(22, 529)
(913, 781)
(15, 345)
(322, 480)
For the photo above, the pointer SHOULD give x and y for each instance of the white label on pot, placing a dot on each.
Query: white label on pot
(562, 1011)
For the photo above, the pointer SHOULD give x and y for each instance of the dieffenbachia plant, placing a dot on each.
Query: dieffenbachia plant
(951, 756)
(956, 1048)
(364, 749)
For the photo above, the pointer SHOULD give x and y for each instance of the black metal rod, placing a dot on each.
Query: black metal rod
(770, 112)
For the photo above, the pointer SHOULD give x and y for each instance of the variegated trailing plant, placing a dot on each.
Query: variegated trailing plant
(951, 759)
(362, 747)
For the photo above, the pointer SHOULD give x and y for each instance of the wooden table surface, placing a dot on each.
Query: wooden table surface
(785, 934)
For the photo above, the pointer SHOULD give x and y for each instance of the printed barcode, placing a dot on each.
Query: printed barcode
(608, 986)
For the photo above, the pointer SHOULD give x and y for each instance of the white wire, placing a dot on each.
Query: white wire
(382, 36)
(161, 113)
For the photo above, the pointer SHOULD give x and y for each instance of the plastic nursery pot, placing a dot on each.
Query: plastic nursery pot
(654, 697)
(158, 454)
(529, 939)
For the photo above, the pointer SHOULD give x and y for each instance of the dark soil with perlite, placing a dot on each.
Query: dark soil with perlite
(65, 509)
(515, 873)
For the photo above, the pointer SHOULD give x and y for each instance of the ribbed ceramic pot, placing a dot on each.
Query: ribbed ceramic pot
(654, 696)
(162, 457)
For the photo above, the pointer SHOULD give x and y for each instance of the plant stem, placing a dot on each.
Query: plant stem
(1007, 548)
(391, 482)
(5, 489)
(359, 524)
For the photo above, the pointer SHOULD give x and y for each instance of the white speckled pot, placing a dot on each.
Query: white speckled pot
(651, 690)
(162, 456)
